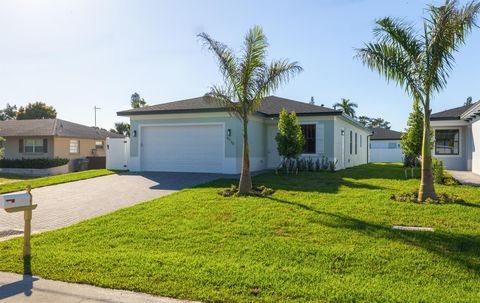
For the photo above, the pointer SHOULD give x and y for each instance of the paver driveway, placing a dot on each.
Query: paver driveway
(64, 204)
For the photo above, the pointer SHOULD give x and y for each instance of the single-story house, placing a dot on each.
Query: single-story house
(385, 145)
(198, 135)
(52, 138)
(457, 137)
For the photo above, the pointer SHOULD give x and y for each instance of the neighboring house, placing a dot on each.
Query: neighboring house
(457, 137)
(52, 138)
(198, 135)
(385, 145)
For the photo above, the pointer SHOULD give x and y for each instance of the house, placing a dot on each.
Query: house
(198, 135)
(385, 145)
(457, 137)
(52, 138)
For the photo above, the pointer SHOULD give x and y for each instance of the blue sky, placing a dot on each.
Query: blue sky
(77, 54)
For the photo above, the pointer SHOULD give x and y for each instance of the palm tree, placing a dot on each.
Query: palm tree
(247, 80)
(421, 62)
(346, 106)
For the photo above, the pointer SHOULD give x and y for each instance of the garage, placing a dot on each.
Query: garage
(183, 148)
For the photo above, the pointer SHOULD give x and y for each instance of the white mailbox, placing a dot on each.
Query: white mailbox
(15, 200)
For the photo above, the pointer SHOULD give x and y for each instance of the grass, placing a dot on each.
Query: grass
(321, 237)
(9, 178)
(52, 180)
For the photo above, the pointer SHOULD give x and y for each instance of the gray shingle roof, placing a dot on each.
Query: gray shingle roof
(384, 134)
(51, 127)
(451, 114)
(271, 106)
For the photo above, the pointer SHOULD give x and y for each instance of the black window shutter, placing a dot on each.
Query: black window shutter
(20, 146)
(45, 145)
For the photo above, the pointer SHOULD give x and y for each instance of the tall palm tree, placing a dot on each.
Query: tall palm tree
(247, 80)
(346, 106)
(421, 62)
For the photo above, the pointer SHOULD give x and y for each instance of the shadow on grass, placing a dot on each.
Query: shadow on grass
(462, 249)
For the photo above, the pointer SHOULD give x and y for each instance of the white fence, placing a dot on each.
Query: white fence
(118, 153)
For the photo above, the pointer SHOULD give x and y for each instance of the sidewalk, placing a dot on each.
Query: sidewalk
(15, 288)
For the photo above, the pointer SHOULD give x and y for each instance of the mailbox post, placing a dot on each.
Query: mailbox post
(17, 202)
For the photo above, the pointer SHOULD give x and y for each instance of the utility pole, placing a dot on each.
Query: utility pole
(95, 108)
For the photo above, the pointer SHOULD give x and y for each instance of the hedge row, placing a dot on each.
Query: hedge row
(32, 163)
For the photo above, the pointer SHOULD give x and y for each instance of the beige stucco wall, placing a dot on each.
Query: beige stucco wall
(87, 148)
(12, 148)
(57, 148)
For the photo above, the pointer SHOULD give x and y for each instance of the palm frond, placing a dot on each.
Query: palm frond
(253, 58)
(227, 61)
(225, 98)
(273, 76)
(446, 30)
(392, 64)
(398, 33)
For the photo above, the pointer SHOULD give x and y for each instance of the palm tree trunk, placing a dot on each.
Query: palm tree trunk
(245, 185)
(427, 189)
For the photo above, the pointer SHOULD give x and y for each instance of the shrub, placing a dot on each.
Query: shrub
(259, 191)
(32, 163)
(437, 170)
(442, 198)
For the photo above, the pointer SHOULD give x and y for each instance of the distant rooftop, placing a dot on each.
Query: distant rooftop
(384, 134)
(52, 127)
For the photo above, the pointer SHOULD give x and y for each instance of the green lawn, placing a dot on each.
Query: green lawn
(322, 237)
(45, 181)
(9, 178)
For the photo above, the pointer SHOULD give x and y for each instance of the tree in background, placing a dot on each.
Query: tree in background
(373, 122)
(290, 140)
(469, 101)
(420, 62)
(36, 110)
(122, 128)
(136, 101)
(8, 113)
(379, 122)
(247, 80)
(411, 140)
(346, 106)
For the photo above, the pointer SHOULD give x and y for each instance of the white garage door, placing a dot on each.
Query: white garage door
(192, 148)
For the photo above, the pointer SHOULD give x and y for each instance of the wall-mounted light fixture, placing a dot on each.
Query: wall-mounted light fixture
(229, 132)
(134, 133)
(343, 132)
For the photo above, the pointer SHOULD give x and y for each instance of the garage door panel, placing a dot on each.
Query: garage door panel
(193, 148)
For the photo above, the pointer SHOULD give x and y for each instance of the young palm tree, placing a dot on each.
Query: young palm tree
(421, 62)
(247, 80)
(346, 106)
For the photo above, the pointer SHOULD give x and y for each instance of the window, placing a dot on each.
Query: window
(74, 146)
(34, 146)
(356, 143)
(447, 142)
(392, 145)
(351, 142)
(309, 132)
(99, 144)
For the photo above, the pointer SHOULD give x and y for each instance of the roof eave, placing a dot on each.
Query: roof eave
(173, 111)
(471, 113)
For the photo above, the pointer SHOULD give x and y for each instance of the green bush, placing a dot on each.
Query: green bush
(438, 170)
(32, 163)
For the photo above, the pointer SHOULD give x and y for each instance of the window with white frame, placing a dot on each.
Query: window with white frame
(74, 146)
(392, 145)
(447, 142)
(33, 145)
(99, 144)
